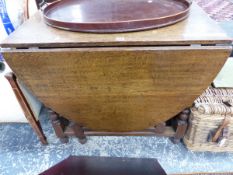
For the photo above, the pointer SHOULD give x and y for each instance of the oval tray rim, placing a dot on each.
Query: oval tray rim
(103, 27)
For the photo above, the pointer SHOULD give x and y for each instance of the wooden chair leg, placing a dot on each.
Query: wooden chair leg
(26, 108)
(58, 127)
(182, 125)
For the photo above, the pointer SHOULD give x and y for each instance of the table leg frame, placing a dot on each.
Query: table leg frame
(64, 129)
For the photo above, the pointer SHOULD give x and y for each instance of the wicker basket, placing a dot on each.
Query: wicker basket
(211, 122)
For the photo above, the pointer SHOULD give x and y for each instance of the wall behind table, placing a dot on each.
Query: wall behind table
(10, 110)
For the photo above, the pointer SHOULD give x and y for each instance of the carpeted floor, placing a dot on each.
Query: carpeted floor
(22, 154)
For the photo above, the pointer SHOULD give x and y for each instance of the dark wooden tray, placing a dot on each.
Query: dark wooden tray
(110, 16)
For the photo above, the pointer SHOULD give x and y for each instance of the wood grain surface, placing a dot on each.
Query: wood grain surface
(118, 88)
(136, 82)
(197, 29)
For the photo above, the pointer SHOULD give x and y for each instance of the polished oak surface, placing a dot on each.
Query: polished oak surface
(118, 89)
(111, 16)
(197, 29)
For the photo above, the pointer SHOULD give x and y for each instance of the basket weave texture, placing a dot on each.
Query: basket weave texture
(207, 115)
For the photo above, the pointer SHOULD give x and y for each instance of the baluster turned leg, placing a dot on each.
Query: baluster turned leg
(160, 128)
(78, 132)
(182, 125)
(58, 127)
